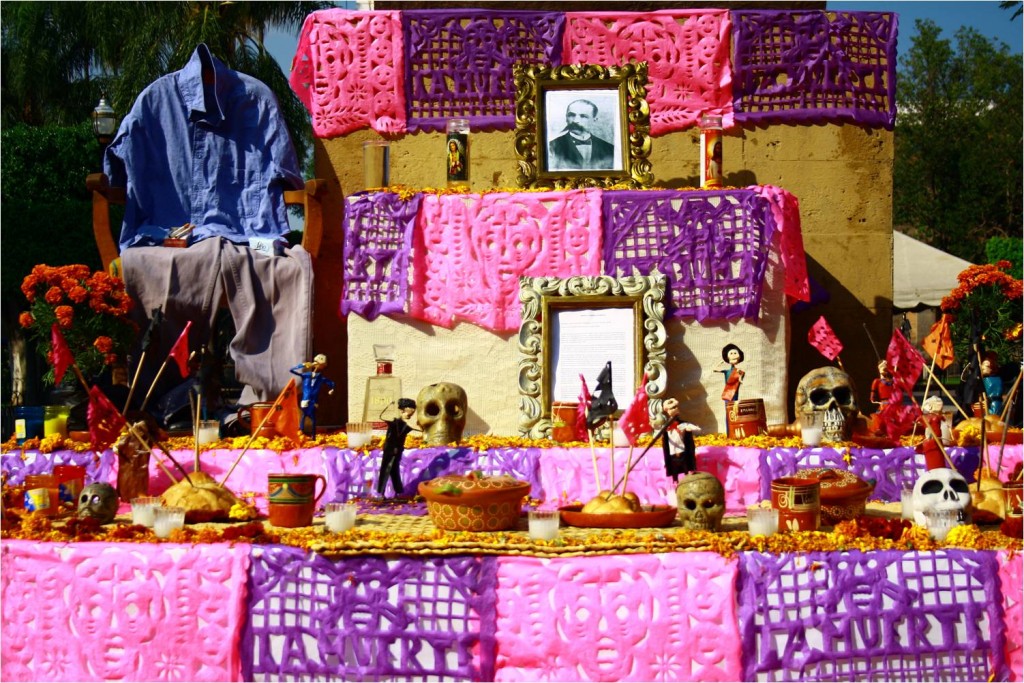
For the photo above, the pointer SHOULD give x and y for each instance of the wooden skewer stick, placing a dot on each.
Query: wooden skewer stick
(593, 458)
(949, 396)
(195, 430)
(135, 379)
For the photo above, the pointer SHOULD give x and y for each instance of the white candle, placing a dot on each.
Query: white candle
(340, 517)
(907, 504)
(762, 521)
(811, 436)
(143, 515)
(544, 524)
(209, 431)
(167, 520)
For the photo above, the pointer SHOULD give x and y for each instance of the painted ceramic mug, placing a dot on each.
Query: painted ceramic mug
(292, 498)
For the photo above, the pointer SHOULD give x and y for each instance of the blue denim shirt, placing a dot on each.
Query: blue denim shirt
(217, 155)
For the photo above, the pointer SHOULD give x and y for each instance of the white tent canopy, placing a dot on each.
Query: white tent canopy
(921, 274)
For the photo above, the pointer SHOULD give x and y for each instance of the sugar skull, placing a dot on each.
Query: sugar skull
(828, 393)
(701, 502)
(441, 413)
(941, 489)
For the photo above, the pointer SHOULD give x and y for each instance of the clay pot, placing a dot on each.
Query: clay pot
(458, 502)
(844, 495)
(798, 501)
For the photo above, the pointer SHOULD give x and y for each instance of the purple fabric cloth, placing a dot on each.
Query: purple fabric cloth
(378, 237)
(458, 63)
(353, 474)
(715, 274)
(369, 618)
(98, 468)
(814, 67)
(890, 469)
(884, 615)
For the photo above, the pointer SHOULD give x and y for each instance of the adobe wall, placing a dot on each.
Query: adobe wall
(841, 174)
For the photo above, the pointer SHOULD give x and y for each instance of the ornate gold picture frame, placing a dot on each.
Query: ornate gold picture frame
(582, 125)
(544, 297)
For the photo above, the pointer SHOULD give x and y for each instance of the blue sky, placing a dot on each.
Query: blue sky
(983, 15)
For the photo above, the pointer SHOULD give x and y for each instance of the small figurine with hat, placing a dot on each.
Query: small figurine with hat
(312, 381)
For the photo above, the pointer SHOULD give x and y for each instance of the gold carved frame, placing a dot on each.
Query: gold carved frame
(535, 85)
(542, 295)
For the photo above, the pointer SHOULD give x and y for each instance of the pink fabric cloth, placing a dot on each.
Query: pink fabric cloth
(689, 70)
(1011, 575)
(348, 71)
(665, 617)
(786, 211)
(567, 474)
(1012, 455)
(470, 251)
(122, 611)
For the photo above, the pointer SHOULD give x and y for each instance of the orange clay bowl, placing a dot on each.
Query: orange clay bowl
(458, 502)
(654, 516)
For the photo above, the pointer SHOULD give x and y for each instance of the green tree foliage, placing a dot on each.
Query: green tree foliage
(44, 206)
(958, 164)
(1006, 249)
(59, 56)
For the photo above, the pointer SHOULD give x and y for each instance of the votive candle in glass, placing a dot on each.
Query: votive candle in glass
(544, 524)
(340, 517)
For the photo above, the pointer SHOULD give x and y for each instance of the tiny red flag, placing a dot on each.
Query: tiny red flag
(636, 419)
(179, 352)
(60, 354)
(581, 410)
(821, 337)
(105, 421)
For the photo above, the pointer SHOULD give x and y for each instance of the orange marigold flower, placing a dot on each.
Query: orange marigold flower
(78, 294)
(110, 359)
(104, 344)
(26, 319)
(65, 316)
(54, 295)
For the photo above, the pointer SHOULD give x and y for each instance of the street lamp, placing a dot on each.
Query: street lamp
(104, 121)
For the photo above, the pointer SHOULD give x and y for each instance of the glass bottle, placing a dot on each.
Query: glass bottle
(710, 151)
(457, 152)
(383, 389)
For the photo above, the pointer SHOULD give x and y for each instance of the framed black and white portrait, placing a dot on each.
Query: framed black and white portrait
(582, 126)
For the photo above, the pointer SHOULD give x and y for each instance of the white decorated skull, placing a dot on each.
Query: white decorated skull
(941, 489)
(701, 499)
(828, 393)
(441, 413)
(98, 500)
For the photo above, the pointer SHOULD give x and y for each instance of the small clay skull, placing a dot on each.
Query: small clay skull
(701, 502)
(99, 501)
(441, 413)
(829, 393)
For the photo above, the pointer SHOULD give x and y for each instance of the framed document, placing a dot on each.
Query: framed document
(573, 326)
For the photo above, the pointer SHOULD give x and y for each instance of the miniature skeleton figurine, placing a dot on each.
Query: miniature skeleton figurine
(881, 394)
(729, 366)
(394, 446)
(678, 445)
(312, 381)
(992, 384)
